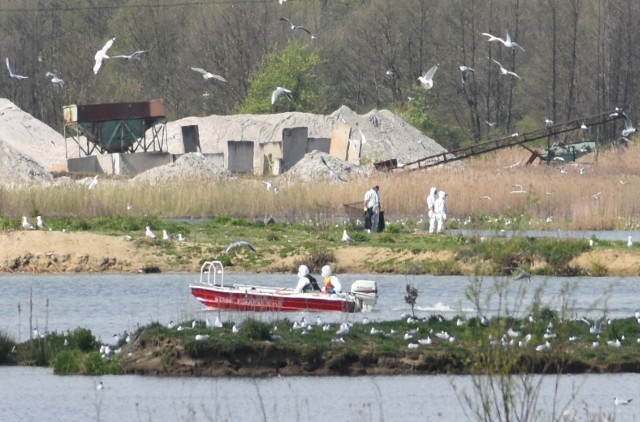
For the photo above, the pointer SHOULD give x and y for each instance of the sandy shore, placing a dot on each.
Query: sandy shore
(81, 252)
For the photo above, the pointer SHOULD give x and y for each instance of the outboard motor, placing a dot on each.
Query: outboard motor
(366, 292)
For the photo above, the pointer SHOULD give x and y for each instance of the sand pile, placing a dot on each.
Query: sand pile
(30, 137)
(186, 167)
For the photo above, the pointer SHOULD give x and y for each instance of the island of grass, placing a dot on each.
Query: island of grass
(539, 343)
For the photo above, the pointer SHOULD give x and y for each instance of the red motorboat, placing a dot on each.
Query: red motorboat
(211, 291)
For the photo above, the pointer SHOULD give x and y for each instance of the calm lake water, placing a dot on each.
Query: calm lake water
(109, 304)
(30, 394)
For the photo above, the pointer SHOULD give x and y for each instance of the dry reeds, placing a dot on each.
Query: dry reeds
(484, 188)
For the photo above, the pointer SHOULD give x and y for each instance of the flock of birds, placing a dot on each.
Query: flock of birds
(427, 80)
(102, 55)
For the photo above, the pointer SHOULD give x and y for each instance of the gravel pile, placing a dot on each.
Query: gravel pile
(317, 165)
(186, 167)
(29, 149)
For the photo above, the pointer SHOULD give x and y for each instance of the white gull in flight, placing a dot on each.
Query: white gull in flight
(101, 55)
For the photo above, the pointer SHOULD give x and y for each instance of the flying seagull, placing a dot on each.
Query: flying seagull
(279, 91)
(503, 70)
(94, 181)
(628, 127)
(240, 244)
(208, 75)
(522, 275)
(427, 79)
(298, 27)
(506, 42)
(101, 55)
(332, 171)
(465, 70)
(55, 80)
(133, 57)
(12, 74)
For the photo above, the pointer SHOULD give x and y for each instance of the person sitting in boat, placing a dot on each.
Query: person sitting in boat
(306, 283)
(331, 283)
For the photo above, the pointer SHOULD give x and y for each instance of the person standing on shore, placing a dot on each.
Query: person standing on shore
(372, 206)
(441, 210)
(431, 200)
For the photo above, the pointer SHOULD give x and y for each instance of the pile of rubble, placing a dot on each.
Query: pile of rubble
(30, 150)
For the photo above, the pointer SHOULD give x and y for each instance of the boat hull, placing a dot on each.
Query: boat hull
(230, 298)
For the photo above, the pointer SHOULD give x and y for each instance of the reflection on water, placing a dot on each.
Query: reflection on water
(35, 394)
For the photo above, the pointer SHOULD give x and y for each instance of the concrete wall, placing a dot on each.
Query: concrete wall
(294, 145)
(319, 144)
(340, 140)
(271, 153)
(119, 163)
(84, 165)
(240, 156)
(140, 162)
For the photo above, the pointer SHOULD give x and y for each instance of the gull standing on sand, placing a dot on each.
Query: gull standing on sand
(208, 75)
(101, 55)
(503, 70)
(55, 80)
(278, 92)
(148, 233)
(12, 74)
(427, 79)
(26, 225)
(40, 223)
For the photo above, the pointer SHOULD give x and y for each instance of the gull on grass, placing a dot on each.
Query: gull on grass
(26, 225)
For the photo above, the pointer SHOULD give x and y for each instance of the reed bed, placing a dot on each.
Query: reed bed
(604, 197)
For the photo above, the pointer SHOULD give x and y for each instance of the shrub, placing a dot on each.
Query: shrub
(256, 330)
(67, 362)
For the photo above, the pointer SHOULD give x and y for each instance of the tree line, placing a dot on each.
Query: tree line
(579, 58)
